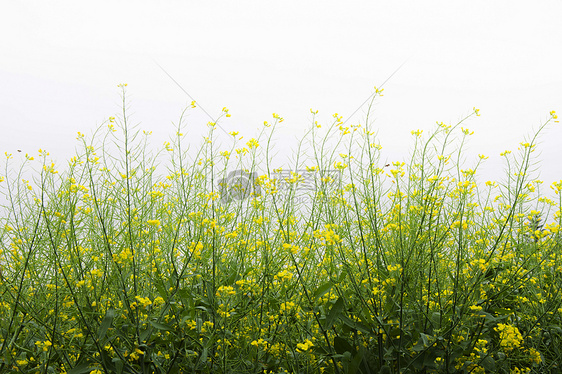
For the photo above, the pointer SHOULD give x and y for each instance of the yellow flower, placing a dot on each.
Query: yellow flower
(293, 248)
(253, 143)
(144, 301)
(286, 307)
(394, 267)
(301, 347)
(535, 356)
(283, 275)
(44, 345)
(510, 337)
(225, 291)
(277, 117)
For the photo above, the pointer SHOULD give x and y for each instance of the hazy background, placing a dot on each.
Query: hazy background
(61, 61)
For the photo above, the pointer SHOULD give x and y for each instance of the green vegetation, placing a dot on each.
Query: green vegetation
(110, 267)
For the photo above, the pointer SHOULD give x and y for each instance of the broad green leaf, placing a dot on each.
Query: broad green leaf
(106, 323)
(81, 369)
(489, 364)
(161, 290)
(119, 365)
(356, 325)
(341, 346)
(145, 334)
(334, 313)
(160, 326)
(322, 290)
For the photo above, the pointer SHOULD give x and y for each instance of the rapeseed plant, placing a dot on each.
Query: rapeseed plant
(338, 263)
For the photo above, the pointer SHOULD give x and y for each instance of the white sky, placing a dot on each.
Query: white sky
(61, 61)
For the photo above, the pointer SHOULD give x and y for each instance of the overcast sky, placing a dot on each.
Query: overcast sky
(61, 61)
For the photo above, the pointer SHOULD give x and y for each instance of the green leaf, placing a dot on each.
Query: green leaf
(106, 361)
(342, 276)
(322, 290)
(204, 354)
(145, 334)
(385, 369)
(81, 368)
(356, 325)
(334, 313)
(489, 364)
(233, 277)
(424, 338)
(502, 311)
(161, 290)
(422, 343)
(341, 346)
(119, 365)
(355, 363)
(418, 347)
(106, 323)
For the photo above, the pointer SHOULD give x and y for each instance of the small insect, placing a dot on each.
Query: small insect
(19, 150)
(387, 165)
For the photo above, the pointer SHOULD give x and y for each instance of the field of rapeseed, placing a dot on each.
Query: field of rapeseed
(226, 264)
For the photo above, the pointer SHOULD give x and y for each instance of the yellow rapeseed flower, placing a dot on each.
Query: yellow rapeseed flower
(510, 337)
(301, 347)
